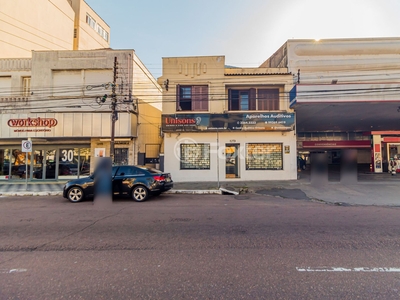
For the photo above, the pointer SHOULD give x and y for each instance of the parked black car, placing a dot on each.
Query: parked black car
(136, 181)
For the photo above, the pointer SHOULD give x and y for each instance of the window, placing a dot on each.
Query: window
(91, 21)
(195, 156)
(253, 99)
(126, 170)
(264, 156)
(268, 99)
(121, 156)
(26, 86)
(192, 98)
(100, 30)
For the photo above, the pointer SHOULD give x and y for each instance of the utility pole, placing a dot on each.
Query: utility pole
(114, 113)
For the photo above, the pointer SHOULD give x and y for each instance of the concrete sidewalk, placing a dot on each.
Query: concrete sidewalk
(370, 189)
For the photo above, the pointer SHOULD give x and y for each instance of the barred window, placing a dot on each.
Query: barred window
(264, 156)
(195, 156)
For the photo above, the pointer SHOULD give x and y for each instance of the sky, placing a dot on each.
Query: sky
(247, 32)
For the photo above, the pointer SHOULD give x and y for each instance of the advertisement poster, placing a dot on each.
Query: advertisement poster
(228, 122)
(99, 152)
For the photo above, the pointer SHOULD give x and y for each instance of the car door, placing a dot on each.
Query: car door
(123, 180)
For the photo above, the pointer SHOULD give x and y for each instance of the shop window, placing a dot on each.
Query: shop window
(253, 99)
(84, 161)
(121, 156)
(4, 163)
(192, 98)
(195, 156)
(264, 156)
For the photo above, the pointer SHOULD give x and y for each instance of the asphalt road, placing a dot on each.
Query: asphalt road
(197, 247)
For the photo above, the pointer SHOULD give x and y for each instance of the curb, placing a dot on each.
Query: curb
(31, 194)
(199, 192)
(193, 192)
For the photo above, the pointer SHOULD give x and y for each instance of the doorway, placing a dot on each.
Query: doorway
(232, 160)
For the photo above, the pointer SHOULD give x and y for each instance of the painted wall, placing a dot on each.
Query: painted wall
(217, 155)
(46, 25)
(87, 37)
(350, 60)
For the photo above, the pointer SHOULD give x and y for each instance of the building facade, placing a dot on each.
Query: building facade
(346, 97)
(222, 123)
(49, 25)
(60, 101)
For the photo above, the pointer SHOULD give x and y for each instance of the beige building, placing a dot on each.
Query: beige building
(224, 123)
(49, 25)
(60, 100)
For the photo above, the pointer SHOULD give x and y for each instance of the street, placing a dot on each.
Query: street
(179, 246)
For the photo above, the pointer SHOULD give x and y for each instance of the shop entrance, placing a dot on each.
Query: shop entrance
(232, 160)
(44, 163)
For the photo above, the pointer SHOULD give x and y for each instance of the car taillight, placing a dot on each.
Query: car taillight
(159, 177)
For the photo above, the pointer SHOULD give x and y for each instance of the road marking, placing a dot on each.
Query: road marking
(340, 269)
(3, 271)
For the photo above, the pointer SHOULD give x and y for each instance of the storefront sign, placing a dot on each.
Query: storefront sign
(33, 122)
(228, 122)
(335, 144)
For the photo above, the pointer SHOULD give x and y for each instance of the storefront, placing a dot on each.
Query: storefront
(64, 145)
(386, 147)
(57, 162)
(219, 147)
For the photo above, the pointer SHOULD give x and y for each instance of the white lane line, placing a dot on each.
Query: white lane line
(340, 269)
(3, 271)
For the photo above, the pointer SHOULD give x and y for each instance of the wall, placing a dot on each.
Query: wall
(149, 95)
(172, 162)
(87, 37)
(35, 25)
(348, 60)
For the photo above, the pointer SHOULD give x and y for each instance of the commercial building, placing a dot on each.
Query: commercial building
(49, 25)
(226, 123)
(60, 100)
(346, 97)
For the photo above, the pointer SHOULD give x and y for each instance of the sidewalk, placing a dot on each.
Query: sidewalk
(370, 189)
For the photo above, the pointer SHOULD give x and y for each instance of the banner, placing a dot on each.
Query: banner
(228, 122)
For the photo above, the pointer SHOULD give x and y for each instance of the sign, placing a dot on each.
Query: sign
(336, 144)
(228, 122)
(287, 149)
(67, 155)
(26, 146)
(33, 122)
(99, 152)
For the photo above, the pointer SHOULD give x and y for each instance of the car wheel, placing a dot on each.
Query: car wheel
(139, 193)
(75, 194)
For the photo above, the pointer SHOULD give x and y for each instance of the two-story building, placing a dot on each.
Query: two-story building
(224, 123)
(61, 101)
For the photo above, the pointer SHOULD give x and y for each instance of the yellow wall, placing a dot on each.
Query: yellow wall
(46, 25)
(87, 37)
(149, 95)
(211, 71)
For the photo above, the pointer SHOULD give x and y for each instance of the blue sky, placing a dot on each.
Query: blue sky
(246, 32)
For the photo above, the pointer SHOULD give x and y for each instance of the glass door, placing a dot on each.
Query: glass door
(232, 160)
(51, 166)
(38, 163)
